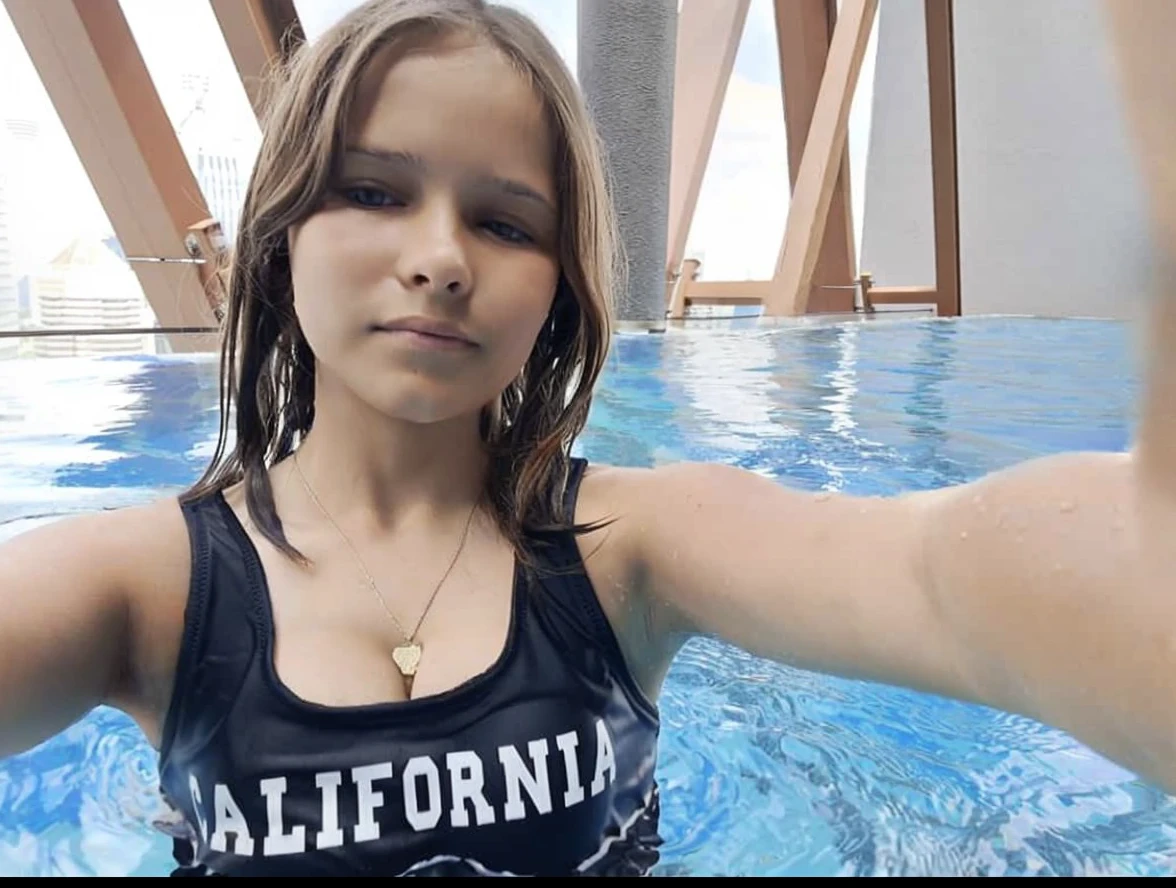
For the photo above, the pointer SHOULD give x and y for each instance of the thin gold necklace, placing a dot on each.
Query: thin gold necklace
(406, 656)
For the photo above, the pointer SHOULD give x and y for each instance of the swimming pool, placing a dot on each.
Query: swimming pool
(764, 770)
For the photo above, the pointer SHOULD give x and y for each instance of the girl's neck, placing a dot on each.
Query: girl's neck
(370, 469)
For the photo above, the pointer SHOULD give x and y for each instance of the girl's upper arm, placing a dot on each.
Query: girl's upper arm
(1022, 590)
(73, 598)
(829, 582)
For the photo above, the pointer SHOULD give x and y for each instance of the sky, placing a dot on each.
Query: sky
(737, 230)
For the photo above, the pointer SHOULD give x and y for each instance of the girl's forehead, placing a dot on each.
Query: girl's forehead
(458, 104)
(454, 67)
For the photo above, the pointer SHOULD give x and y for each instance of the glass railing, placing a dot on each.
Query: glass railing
(91, 341)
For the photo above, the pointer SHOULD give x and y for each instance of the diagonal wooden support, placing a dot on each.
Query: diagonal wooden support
(803, 31)
(821, 161)
(259, 34)
(944, 156)
(91, 68)
(708, 41)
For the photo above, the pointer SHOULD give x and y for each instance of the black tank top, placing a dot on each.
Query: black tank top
(543, 764)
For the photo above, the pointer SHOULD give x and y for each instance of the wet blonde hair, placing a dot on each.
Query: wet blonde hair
(267, 368)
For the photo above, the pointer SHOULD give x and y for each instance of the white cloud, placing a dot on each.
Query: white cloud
(743, 204)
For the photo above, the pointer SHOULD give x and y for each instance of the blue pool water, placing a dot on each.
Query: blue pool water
(764, 770)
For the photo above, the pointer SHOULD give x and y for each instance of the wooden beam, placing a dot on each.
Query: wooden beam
(903, 295)
(708, 40)
(704, 299)
(803, 32)
(718, 292)
(821, 162)
(260, 34)
(944, 157)
(755, 292)
(93, 72)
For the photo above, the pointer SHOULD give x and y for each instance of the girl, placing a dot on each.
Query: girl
(396, 629)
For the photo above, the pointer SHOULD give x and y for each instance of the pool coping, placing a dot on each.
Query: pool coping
(830, 319)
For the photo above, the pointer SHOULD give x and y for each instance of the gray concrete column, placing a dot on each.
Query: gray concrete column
(626, 69)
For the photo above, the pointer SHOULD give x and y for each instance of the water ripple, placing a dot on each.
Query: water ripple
(765, 770)
(779, 772)
(82, 803)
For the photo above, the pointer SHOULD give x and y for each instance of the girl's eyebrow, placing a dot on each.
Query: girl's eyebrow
(393, 158)
(415, 162)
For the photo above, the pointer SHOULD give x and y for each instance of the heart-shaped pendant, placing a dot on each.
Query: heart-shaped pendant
(407, 657)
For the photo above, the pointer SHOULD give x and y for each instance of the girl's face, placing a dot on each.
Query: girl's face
(422, 282)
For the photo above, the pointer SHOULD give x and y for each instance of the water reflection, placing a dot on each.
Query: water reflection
(724, 378)
(87, 433)
(162, 436)
(927, 408)
(630, 384)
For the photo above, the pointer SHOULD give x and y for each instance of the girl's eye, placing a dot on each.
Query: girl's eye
(369, 197)
(507, 232)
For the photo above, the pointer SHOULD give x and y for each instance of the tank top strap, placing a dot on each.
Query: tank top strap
(221, 620)
(556, 553)
(566, 593)
(570, 564)
(576, 469)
